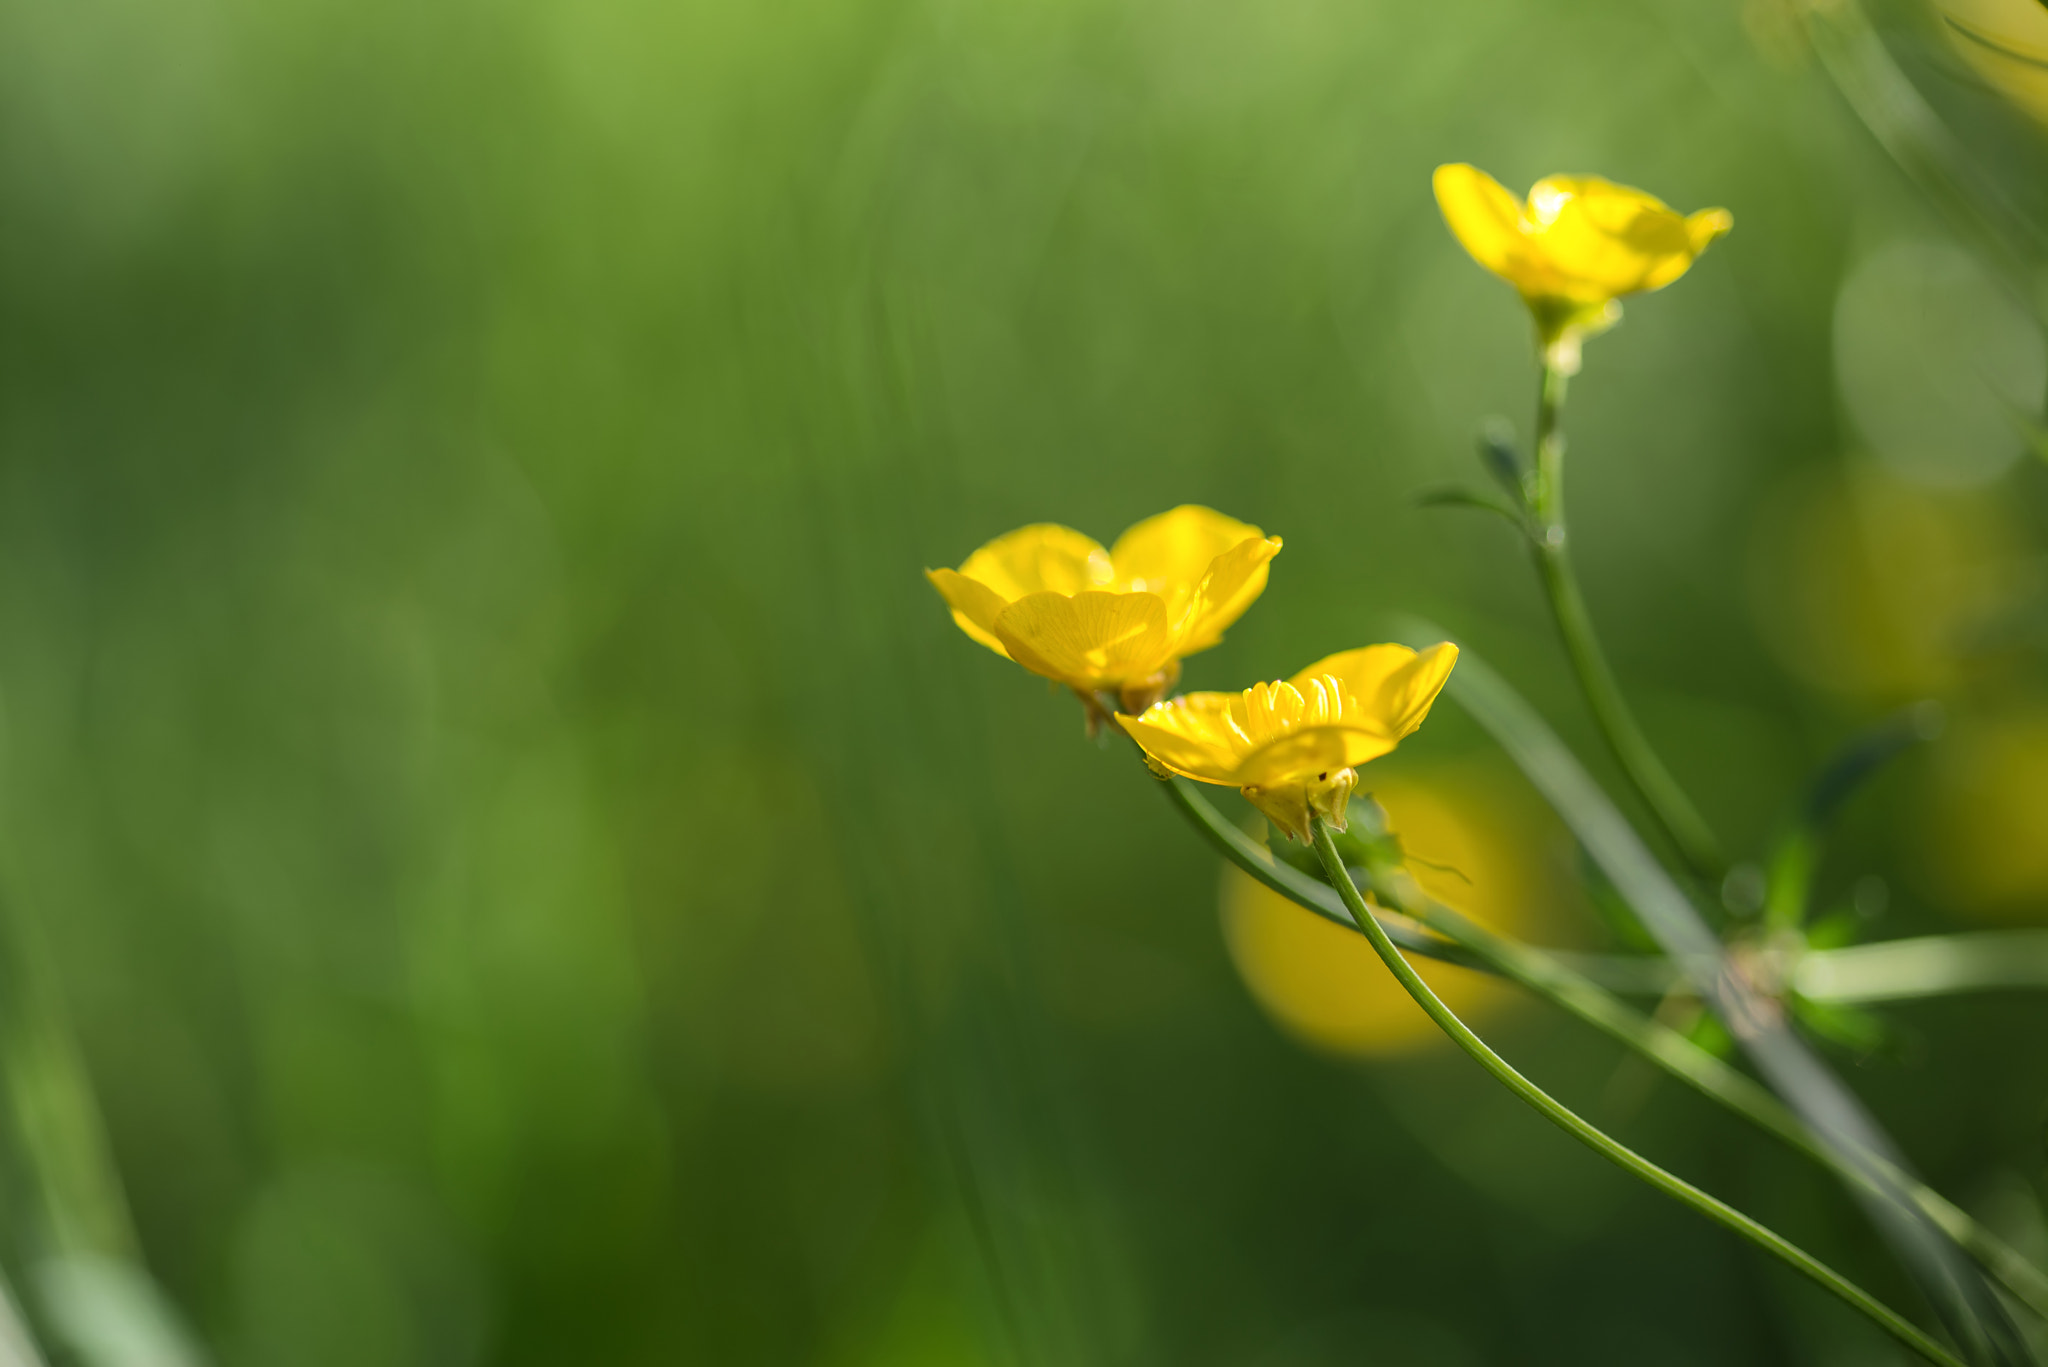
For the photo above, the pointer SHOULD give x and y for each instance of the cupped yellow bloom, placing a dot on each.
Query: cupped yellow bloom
(1575, 247)
(1292, 747)
(1059, 604)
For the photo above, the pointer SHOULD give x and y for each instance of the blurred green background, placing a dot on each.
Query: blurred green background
(532, 875)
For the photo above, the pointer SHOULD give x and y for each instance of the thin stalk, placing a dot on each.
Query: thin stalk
(1716, 1080)
(1925, 966)
(1464, 942)
(1674, 813)
(1970, 1313)
(1299, 887)
(1598, 1140)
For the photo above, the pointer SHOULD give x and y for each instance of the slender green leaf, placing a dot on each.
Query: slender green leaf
(1926, 966)
(1829, 1110)
(1457, 496)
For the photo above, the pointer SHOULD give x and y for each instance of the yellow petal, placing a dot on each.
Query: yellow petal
(1604, 240)
(1577, 243)
(1409, 693)
(1169, 554)
(1361, 671)
(1701, 229)
(1043, 558)
(974, 605)
(1393, 685)
(1600, 239)
(1483, 213)
(1310, 755)
(1189, 735)
(1233, 583)
(1708, 225)
(1091, 640)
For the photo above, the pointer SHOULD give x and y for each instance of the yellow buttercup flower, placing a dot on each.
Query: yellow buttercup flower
(1575, 247)
(1291, 747)
(1059, 604)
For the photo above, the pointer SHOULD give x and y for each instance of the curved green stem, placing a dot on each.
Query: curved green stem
(1542, 973)
(1598, 1140)
(1300, 888)
(1829, 1110)
(1667, 802)
(1718, 1081)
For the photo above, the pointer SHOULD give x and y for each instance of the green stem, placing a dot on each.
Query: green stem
(1468, 944)
(1298, 887)
(1681, 824)
(1615, 1152)
(1716, 1080)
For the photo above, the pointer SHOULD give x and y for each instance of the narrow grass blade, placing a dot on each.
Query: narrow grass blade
(1829, 1110)
(1604, 1144)
(1559, 979)
(1926, 966)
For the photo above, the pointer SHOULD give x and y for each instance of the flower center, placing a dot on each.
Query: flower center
(1546, 202)
(1269, 711)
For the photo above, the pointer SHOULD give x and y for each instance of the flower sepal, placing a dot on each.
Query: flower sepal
(1562, 328)
(1289, 806)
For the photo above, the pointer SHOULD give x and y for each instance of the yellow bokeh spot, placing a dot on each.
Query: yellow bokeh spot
(1324, 985)
(1872, 589)
(1985, 828)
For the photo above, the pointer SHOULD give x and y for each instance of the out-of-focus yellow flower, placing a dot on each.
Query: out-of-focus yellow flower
(2007, 42)
(1473, 847)
(1881, 592)
(1059, 604)
(1291, 746)
(1574, 248)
